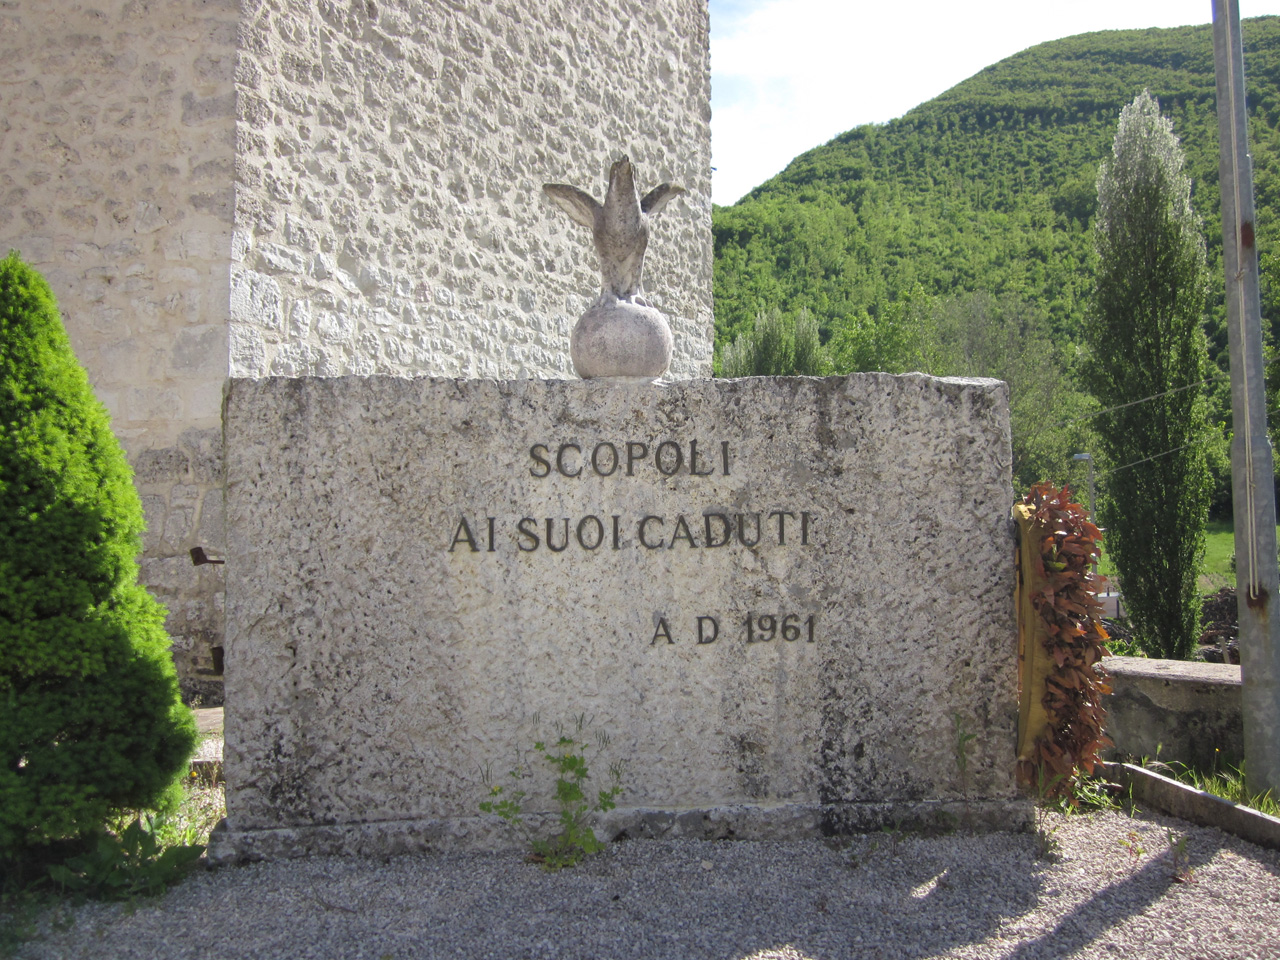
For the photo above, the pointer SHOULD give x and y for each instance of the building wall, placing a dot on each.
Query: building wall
(331, 187)
(116, 156)
(390, 158)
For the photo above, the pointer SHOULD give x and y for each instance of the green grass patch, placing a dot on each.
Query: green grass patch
(1106, 566)
(1215, 570)
(1219, 548)
(1227, 782)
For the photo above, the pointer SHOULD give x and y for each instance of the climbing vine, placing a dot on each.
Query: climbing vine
(1072, 635)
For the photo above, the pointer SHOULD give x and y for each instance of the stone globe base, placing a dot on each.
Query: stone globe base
(619, 338)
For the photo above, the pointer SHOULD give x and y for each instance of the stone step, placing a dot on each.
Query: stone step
(206, 763)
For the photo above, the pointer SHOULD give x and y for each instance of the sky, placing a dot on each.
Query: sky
(788, 75)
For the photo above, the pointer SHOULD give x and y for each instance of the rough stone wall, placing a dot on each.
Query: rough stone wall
(116, 144)
(390, 157)
(330, 187)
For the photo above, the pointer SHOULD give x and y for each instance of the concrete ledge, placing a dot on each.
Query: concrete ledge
(1196, 806)
(746, 822)
(1185, 710)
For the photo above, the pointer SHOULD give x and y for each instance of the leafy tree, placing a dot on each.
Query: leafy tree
(1269, 277)
(991, 189)
(1147, 357)
(90, 719)
(1008, 338)
(891, 337)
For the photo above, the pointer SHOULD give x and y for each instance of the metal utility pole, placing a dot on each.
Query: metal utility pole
(1252, 483)
(1093, 507)
(1093, 500)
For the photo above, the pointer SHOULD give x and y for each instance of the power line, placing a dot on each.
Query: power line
(1154, 456)
(1163, 453)
(1155, 396)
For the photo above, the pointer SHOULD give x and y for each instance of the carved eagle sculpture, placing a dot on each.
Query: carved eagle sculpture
(619, 226)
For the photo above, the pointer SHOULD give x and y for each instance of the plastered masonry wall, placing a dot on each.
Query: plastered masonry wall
(390, 157)
(331, 187)
(116, 158)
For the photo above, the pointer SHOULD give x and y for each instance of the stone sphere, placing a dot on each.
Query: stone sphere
(618, 338)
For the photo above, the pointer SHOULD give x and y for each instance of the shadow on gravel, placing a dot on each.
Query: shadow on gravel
(898, 900)
(891, 898)
(1116, 902)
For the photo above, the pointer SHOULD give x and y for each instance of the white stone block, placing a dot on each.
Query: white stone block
(256, 301)
(247, 352)
(776, 596)
(281, 259)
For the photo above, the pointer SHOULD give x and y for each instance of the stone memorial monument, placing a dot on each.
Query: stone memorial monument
(788, 601)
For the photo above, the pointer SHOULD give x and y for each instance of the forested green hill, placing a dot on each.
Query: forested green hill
(989, 188)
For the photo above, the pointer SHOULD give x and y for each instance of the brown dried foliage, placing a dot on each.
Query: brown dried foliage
(1073, 637)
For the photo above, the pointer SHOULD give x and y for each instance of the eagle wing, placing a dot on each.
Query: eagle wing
(580, 206)
(657, 198)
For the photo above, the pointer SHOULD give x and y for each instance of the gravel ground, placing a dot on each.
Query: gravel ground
(880, 896)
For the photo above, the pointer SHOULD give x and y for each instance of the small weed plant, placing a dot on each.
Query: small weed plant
(135, 861)
(567, 758)
(203, 805)
(135, 854)
(1132, 844)
(963, 739)
(962, 746)
(894, 834)
(140, 853)
(1089, 794)
(1178, 865)
(1047, 845)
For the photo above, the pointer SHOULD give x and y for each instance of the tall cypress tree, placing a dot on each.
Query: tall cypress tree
(90, 718)
(1147, 355)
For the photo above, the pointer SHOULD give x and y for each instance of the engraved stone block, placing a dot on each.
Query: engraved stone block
(778, 596)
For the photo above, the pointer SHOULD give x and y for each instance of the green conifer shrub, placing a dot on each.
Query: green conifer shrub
(777, 346)
(90, 717)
